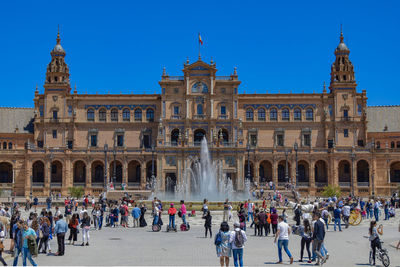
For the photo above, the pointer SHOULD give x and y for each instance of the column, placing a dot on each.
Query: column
(292, 172)
(212, 85)
(67, 179)
(354, 176)
(47, 178)
(143, 179)
(313, 189)
(187, 85)
(187, 108)
(125, 171)
(212, 107)
(257, 172)
(275, 172)
(240, 173)
(28, 172)
(88, 181)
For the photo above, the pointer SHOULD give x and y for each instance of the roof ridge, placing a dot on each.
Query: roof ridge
(378, 106)
(16, 108)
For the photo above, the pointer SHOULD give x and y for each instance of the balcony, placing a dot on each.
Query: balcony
(97, 184)
(302, 184)
(176, 78)
(317, 184)
(56, 184)
(363, 184)
(223, 117)
(346, 118)
(79, 184)
(199, 117)
(37, 184)
(54, 120)
(223, 78)
(175, 117)
(344, 184)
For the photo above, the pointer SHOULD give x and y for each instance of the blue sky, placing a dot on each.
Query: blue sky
(122, 46)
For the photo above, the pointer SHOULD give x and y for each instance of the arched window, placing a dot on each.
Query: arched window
(5, 145)
(297, 114)
(174, 137)
(199, 109)
(138, 114)
(285, 114)
(10, 145)
(249, 114)
(102, 115)
(261, 114)
(309, 114)
(90, 115)
(378, 144)
(150, 114)
(126, 115)
(273, 114)
(114, 114)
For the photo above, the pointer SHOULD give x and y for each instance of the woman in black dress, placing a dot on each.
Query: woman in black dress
(142, 221)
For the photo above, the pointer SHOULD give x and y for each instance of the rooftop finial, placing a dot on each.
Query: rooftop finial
(58, 34)
(164, 73)
(235, 71)
(212, 61)
(341, 33)
(324, 87)
(187, 60)
(75, 92)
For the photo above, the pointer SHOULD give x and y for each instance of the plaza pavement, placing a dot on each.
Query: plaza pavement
(141, 246)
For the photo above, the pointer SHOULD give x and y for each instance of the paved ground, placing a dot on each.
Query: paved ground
(141, 246)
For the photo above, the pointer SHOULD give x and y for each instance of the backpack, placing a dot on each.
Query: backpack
(218, 239)
(239, 240)
(122, 210)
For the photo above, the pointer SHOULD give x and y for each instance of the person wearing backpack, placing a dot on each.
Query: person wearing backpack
(262, 222)
(222, 244)
(237, 239)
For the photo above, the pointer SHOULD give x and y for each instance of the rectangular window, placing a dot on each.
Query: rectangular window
(235, 109)
(330, 143)
(253, 139)
(345, 113)
(70, 144)
(223, 110)
(69, 111)
(346, 132)
(163, 109)
(40, 144)
(55, 114)
(360, 143)
(147, 141)
(120, 140)
(330, 110)
(398, 144)
(54, 134)
(307, 140)
(93, 140)
(41, 111)
(176, 110)
(280, 140)
(359, 110)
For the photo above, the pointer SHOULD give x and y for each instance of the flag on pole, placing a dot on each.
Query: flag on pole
(200, 41)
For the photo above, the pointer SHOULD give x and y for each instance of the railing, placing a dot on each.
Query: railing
(344, 184)
(363, 184)
(56, 184)
(200, 117)
(176, 117)
(97, 184)
(281, 184)
(133, 184)
(80, 184)
(36, 184)
(176, 78)
(223, 78)
(320, 184)
(223, 117)
(346, 118)
(302, 184)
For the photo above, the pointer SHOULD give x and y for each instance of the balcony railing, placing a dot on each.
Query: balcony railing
(176, 78)
(56, 184)
(80, 184)
(200, 117)
(176, 117)
(317, 184)
(363, 184)
(37, 184)
(344, 184)
(302, 184)
(223, 78)
(346, 118)
(133, 184)
(223, 117)
(97, 184)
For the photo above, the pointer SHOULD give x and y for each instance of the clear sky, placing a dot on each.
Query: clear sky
(122, 46)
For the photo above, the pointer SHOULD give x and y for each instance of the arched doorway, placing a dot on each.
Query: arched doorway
(223, 136)
(265, 171)
(321, 173)
(79, 172)
(98, 172)
(246, 172)
(363, 172)
(174, 137)
(303, 172)
(38, 172)
(6, 172)
(395, 172)
(170, 182)
(282, 172)
(118, 172)
(198, 136)
(56, 172)
(344, 172)
(134, 172)
(148, 169)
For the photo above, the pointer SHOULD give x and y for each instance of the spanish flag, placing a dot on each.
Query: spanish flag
(200, 41)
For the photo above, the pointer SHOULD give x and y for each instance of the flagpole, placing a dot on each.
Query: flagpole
(199, 47)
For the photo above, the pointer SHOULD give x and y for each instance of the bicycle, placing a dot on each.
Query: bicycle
(381, 254)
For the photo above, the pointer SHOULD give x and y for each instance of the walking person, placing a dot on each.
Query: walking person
(136, 216)
(318, 238)
(205, 207)
(171, 213)
(60, 230)
(142, 220)
(85, 225)
(336, 217)
(27, 233)
(183, 211)
(262, 222)
(376, 210)
(374, 237)
(207, 223)
(223, 246)
(95, 218)
(306, 238)
(226, 211)
(2, 235)
(237, 239)
(73, 229)
(282, 236)
(346, 214)
(45, 228)
(18, 240)
(274, 220)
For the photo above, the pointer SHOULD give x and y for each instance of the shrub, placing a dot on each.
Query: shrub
(76, 191)
(331, 191)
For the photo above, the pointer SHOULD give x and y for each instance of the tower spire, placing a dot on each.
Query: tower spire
(341, 33)
(58, 35)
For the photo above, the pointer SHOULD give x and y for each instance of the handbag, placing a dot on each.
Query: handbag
(1, 246)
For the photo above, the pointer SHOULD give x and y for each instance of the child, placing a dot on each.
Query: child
(207, 223)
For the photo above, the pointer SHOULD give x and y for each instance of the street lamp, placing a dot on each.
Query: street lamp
(248, 160)
(115, 165)
(373, 186)
(286, 166)
(152, 161)
(105, 163)
(296, 147)
(30, 194)
(51, 165)
(353, 156)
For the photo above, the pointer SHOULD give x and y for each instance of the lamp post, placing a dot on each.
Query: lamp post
(105, 163)
(51, 165)
(248, 160)
(353, 156)
(373, 186)
(296, 147)
(152, 162)
(30, 194)
(286, 166)
(114, 165)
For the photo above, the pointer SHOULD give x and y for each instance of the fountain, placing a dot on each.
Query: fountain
(203, 179)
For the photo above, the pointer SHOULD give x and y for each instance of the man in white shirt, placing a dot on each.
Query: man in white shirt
(346, 213)
(237, 243)
(282, 235)
(81, 212)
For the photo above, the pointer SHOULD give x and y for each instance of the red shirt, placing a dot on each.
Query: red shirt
(172, 211)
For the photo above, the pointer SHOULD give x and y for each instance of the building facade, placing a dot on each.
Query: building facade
(310, 140)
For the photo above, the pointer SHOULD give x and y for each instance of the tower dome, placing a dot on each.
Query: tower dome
(342, 47)
(58, 49)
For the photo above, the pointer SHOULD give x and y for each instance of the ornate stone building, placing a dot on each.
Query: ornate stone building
(311, 140)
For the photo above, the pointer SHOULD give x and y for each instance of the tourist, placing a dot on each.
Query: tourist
(45, 228)
(398, 243)
(262, 222)
(27, 233)
(207, 223)
(306, 238)
(325, 216)
(35, 202)
(237, 239)
(369, 209)
(18, 240)
(376, 210)
(81, 212)
(223, 246)
(242, 216)
(94, 217)
(100, 215)
(136, 215)
(156, 212)
(226, 211)
(374, 238)
(85, 225)
(256, 222)
(282, 236)
(284, 215)
(337, 218)
(386, 210)
(60, 230)
(48, 202)
(318, 238)
(142, 220)
(297, 214)
(205, 206)
(346, 214)
(274, 220)
(124, 214)
(2, 235)
(171, 213)
(250, 212)
(73, 229)
(183, 211)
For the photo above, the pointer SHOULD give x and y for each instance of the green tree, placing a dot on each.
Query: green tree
(331, 190)
(76, 191)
